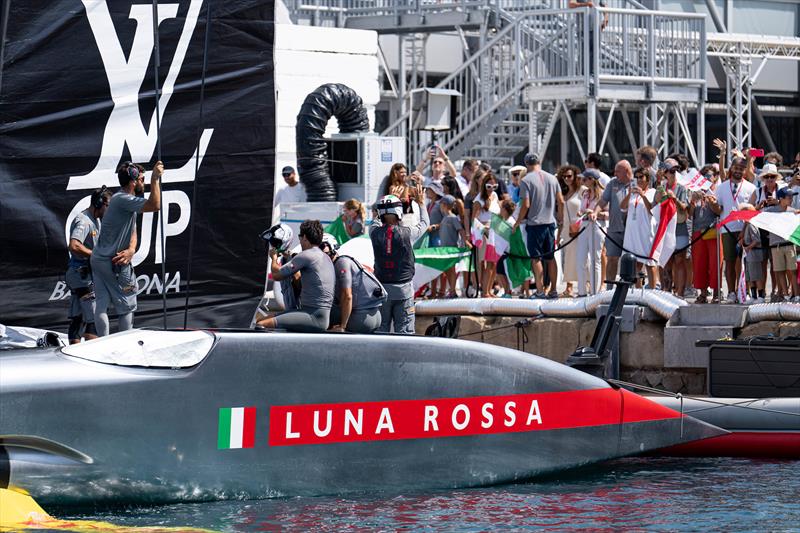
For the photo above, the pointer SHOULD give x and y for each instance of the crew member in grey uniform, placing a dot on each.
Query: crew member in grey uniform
(82, 235)
(359, 295)
(393, 246)
(114, 280)
(317, 279)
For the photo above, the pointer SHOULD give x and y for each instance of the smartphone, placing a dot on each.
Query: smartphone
(434, 151)
(756, 152)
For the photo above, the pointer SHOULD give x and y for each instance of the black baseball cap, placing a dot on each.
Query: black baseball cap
(287, 170)
(531, 159)
(786, 192)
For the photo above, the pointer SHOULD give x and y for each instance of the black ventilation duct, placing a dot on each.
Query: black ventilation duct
(329, 100)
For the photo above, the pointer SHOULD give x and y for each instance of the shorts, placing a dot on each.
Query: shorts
(81, 302)
(115, 285)
(730, 246)
(784, 257)
(541, 241)
(681, 243)
(753, 270)
(612, 248)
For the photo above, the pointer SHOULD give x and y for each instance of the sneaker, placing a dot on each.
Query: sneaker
(796, 299)
(553, 295)
(690, 293)
(731, 299)
(759, 300)
(538, 296)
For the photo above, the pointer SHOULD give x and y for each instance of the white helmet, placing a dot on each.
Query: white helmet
(390, 205)
(279, 237)
(329, 241)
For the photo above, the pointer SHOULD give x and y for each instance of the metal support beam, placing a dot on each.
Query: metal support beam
(574, 135)
(738, 96)
(606, 126)
(715, 16)
(763, 130)
(611, 146)
(591, 126)
(629, 130)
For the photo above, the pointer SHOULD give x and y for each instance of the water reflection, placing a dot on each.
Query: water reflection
(665, 494)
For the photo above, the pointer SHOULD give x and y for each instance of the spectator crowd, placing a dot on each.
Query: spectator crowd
(577, 221)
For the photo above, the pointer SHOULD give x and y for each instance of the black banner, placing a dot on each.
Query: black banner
(78, 97)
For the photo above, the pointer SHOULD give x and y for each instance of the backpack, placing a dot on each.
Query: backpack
(377, 291)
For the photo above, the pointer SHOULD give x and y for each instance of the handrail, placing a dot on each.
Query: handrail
(544, 47)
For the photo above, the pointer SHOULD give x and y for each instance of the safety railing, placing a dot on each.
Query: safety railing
(649, 46)
(545, 47)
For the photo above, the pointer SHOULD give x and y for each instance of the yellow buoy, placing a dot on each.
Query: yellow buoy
(19, 511)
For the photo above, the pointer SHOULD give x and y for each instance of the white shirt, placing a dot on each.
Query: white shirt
(291, 194)
(604, 179)
(729, 196)
(463, 184)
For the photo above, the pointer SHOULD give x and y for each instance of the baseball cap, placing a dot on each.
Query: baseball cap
(786, 192)
(436, 187)
(769, 170)
(531, 159)
(591, 173)
(448, 199)
(287, 170)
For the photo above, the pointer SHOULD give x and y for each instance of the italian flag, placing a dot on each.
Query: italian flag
(430, 262)
(518, 264)
(785, 225)
(499, 240)
(337, 229)
(237, 428)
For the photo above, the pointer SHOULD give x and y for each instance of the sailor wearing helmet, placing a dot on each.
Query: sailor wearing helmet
(392, 245)
(318, 281)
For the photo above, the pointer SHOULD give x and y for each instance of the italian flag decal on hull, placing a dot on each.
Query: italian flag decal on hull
(237, 428)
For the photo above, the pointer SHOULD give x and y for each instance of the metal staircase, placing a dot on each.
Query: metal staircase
(536, 66)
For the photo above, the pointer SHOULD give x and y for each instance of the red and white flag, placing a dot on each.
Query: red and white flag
(694, 180)
(665, 216)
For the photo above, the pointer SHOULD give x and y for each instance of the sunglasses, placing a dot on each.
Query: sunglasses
(768, 178)
(671, 171)
(438, 162)
(491, 186)
(569, 175)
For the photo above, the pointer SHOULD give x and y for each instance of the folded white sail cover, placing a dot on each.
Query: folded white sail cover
(146, 348)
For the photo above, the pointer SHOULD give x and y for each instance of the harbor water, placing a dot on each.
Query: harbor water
(650, 493)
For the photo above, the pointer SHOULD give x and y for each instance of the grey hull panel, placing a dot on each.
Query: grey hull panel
(154, 434)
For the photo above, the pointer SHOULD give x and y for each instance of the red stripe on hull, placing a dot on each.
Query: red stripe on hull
(451, 417)
(775, 444)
